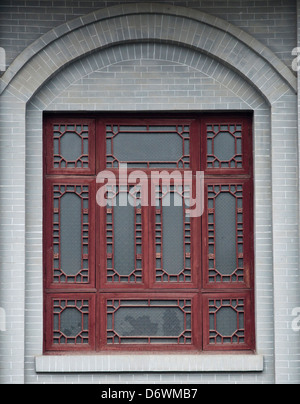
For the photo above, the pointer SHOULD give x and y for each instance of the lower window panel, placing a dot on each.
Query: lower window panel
(227, 321)
(72, 319)
(151, 321)
(94, 322)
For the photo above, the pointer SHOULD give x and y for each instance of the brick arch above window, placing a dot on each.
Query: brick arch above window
(137, 23)
(149, 66)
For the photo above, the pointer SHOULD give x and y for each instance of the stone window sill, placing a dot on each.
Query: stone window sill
(149, 363)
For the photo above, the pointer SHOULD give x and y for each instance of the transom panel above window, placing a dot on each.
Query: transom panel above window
(148, 145)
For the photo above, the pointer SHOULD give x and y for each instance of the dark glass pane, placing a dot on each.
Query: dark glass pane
(173, 235)
(71, 146)
(224, 146)
(71, 322)
(70, 233)
(147, 147)
(149, 322)
(124, 238)
(225, 233)
(226, 321)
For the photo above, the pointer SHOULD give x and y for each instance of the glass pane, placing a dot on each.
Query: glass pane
(224, 146)
(137, 147)
(225, 228)
(173, 235)
(70, 233)
(226, 321)
(149, 322)
(124, 231)
(70, 322)
(70, 146)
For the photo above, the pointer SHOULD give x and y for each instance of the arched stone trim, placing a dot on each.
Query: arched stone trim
(149, 22)
(232, 85)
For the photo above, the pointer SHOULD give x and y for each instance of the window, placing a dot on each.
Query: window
(137, 270)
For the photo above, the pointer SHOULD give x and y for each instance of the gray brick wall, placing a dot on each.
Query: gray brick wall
(273, 22)
(151, 77)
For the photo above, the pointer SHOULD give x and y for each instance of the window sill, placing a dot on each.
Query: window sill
(149, 363)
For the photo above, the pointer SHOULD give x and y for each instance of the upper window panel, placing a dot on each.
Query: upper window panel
(228, 143)
(71, 146)
(148, 145)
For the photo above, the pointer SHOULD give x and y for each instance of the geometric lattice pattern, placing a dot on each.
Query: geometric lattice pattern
(132, 276)
(71, 146)
(226, 321)
(147, 322)
(224, 146)
(232, 234)
(177, 246)
(70, 322)
(148, 146)
(63, 254)
(124, 236)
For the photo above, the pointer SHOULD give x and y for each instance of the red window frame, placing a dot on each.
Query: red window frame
(198, 287)
(55, 305)
(244, 236)
(51, 238)
(233, 123)
(193, 337)
(241, 339)
(50, 161)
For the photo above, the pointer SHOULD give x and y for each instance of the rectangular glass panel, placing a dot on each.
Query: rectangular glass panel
(124, 230)
(148, 146)
(224, 146)
(172, 237)
(149, 322)
(71, 234)
(225, 233)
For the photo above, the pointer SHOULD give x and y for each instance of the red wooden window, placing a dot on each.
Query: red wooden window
(69, 232)
(124, 256)
(227, 227)
(132, 277)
